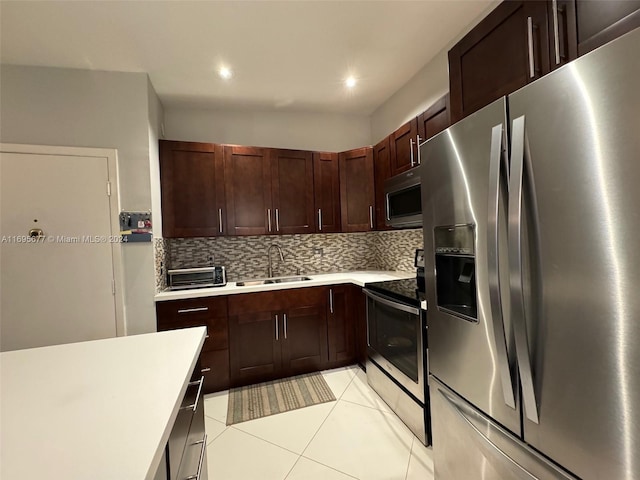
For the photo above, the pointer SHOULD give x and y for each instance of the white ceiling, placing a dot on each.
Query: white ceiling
(287, 55)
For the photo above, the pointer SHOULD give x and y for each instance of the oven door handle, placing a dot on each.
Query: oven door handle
(390, 302)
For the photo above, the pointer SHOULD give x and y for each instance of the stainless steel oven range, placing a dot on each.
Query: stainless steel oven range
(397, 351)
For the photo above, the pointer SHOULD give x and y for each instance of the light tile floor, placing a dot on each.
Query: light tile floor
(356, 436)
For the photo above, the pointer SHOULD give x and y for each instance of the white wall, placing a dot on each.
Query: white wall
(304, 131)
(420, 92)
(57, 106)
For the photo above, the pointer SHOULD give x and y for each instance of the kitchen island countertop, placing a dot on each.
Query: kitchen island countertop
(356, 277)
(101, 409)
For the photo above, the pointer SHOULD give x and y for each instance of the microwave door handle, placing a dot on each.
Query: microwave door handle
(391, 303)
(496, 314)
(515, 269)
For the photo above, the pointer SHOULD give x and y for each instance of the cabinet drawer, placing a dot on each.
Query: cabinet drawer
(217, 331)
(192, 309)
(214, 367)
(275, 300)
(191, 465)
(182, 426)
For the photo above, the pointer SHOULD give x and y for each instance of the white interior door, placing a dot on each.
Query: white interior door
(59, 289)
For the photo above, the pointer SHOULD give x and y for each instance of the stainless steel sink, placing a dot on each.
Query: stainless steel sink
(287, 279)
(268, 281)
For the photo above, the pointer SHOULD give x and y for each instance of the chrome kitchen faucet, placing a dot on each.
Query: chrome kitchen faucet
(270, 269)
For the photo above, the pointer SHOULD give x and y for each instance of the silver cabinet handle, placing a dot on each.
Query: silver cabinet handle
(495, 164)
(285, 325)
(269, 217)
(418, 140)
(371, 216)
(192, 310)
(515, 269)
(220, 220)
(194, 405)
(277, 221)
(277, 334)
(203, 449)
(331, 300)
(411, 148)
(556, 34)
(320, 219)
(205, 370)
(530, 45)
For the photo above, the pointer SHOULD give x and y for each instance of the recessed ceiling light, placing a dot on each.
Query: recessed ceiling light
(225, 73)
(350, 82)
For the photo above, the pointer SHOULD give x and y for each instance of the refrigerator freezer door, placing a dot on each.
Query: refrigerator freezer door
(468, 445)
(582, 187)
(470, 357)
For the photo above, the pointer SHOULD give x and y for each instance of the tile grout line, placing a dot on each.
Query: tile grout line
(260, 438)
(329, 467)
(406, 475)
(299, 455)
(366, 406)
(212, 418)
(320, 426)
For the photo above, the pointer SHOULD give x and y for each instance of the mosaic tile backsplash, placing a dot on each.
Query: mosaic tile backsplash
(161, 256)
(246, 257)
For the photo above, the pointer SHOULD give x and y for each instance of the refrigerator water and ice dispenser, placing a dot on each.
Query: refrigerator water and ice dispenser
(455, 271)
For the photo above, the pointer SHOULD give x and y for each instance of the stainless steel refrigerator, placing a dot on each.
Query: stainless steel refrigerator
(532, 242)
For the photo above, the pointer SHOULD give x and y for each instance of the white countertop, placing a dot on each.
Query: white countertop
(356, 277)
(93, 410)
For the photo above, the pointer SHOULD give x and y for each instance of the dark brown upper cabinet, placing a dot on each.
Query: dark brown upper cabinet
(403, 147)
(269, 191)
(434, 120)
(506, 50)
(599, 22)
(356, 190)
(192, 189)
(381, 171)
(247, 172)
(292, 191)
(326, 188)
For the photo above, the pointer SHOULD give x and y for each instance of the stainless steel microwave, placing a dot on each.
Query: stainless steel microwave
(403, 202)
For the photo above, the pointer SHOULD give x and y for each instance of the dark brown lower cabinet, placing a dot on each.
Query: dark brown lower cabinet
(210, 312)
(263, 336)
(277, 334)
(360, 308)
(341, 325)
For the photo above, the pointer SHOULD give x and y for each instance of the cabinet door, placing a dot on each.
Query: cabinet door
(304, 345)
(356, 190)
(254, 350)
(292, 191)
(341, 326)
(563, 37)
(381, 171)
(326, 183)
(402, 142)
(248, 189)
(192, 186)
(360, 310)
(434, 120)
(599, 22)
(505, 51)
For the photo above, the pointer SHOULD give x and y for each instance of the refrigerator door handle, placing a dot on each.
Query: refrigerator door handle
(495, 164)
(515, 269)
(491, 447)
